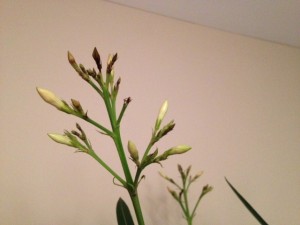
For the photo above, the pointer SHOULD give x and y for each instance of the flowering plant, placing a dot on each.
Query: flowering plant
(107, 89)
(105, 85)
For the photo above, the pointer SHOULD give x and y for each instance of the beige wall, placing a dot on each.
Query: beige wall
(235, 100)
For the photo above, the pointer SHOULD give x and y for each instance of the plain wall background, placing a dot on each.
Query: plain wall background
(234, 99)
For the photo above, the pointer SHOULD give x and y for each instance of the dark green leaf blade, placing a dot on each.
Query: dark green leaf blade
(123, 213)
(247, 205)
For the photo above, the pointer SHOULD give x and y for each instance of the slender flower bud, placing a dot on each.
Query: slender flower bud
(161, 115)
(71, 58)
(199, 174)
(52, 99)
(165, 130)
(110, 62)
(188, 170)
(173, 193)
(77, 106)
(179, 149)
(166, 177)
(97, 59)
(61, 139)
(133, 151)
(127, 100)
(82, 68)
(207, 188)
(173, 151)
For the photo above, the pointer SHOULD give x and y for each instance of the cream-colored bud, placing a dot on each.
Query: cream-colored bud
(173, 151)
(133, 151)
(62, 139)
(52, 99)
(179, 149)
(161, 115)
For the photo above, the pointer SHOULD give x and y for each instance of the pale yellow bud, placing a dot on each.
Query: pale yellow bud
(133, 151)
(52, 99)
(173, 151)
(161, 115)
(61, 139)
(179, 149)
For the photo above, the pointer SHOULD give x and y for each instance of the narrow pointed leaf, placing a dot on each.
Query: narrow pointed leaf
(247, 205)
(123, 213)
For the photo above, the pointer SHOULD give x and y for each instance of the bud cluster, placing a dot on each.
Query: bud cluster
(61, 105)
(71, 139)
(157, 134)
(106, 87)
(181, 195)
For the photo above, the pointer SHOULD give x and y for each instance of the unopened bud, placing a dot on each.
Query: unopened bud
(133, 151)
(97, 59)
(161, 115)
(188, 170)
(173, 151)
(71, 58)
(114, 58)
(127, 100)
(179, 149)
(199, 174)
(52, 99)
(166, 177)
(173, 193)
(206, 189)
(82, 68)
(110, 62)
(165, 130)
(61, 139)
(77, 106)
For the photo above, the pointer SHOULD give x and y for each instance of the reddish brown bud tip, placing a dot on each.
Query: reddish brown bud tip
(127, 100)
(114, 58)
(97, 58)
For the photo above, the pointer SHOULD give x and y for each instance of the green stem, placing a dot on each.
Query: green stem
(137, 208)
(96, 88)
(148, 149)
(108, 106)
(131, 187)
(107, 131)
(96, 157)
(196, 205)
(122, 113)
(189, 217)
(122, 156)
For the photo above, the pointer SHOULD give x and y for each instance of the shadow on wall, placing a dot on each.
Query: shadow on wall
(159, 205)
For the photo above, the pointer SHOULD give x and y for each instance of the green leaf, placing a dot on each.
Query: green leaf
(123, 213)
(247, 205)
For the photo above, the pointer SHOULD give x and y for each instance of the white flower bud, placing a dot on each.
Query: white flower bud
(173, 151)
(161, 115)
(52, 99)
(61, 139)
(179, 149)
(133, 151)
